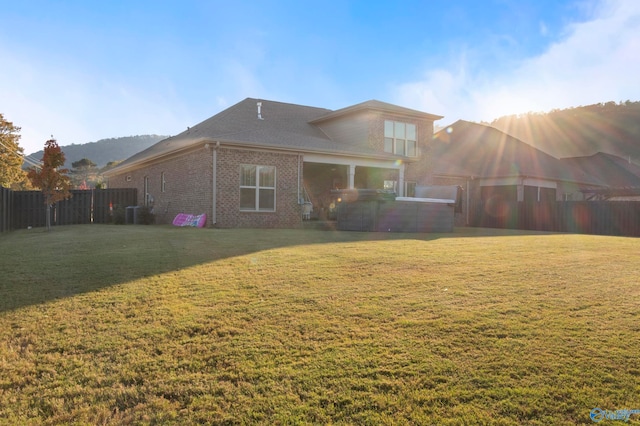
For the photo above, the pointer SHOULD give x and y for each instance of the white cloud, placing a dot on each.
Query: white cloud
(596, 61)
(243, 79)
(76, 106)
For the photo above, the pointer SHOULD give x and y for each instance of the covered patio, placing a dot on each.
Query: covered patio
(323, 173)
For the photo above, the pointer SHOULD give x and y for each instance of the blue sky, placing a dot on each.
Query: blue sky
(83, 71)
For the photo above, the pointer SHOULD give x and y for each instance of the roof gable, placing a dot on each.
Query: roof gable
(484, 151)
(374, 105)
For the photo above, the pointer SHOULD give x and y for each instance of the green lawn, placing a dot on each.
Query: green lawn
(161, 325)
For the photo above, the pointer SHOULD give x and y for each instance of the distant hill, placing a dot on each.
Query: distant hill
(606, 127)
(105, 150)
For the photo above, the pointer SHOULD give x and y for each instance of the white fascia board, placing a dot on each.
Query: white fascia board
(540, 183)
(514, 180)
(499, 181)
(364, 162)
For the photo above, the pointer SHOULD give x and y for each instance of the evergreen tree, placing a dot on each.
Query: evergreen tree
(82, 172)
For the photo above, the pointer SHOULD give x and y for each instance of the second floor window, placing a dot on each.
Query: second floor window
(400, 138)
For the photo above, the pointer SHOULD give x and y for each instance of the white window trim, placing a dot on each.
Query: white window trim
(396, 141)
(406, 187)
(147, 195)
(257, 188)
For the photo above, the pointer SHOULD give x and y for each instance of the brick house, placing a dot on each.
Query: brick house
(496, 169)
(619, 178)
(261, 163)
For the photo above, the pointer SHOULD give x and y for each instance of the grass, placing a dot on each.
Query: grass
(159, 325)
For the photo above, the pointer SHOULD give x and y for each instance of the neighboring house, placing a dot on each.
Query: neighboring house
(496, 169)
(619, 178)
(259, 163)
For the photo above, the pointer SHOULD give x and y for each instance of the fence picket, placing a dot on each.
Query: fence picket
(587, 217)
(21, 209)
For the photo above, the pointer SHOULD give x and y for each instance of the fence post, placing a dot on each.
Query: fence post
(5, 209)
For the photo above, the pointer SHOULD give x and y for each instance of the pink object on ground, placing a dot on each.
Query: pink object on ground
(184, 219)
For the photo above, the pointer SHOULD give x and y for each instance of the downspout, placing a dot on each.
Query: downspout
(299, 197)
(352, 173)
(468, 202)
(401, 180)
(214, 183)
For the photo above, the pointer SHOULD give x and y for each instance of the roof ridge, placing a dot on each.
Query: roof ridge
(284, 103)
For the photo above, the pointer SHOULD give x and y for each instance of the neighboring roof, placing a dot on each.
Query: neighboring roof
(477, 150)
(281, 126)
(609, 169)
(376, 106)
(619, 177)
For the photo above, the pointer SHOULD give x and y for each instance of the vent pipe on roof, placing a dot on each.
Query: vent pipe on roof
(259, 104)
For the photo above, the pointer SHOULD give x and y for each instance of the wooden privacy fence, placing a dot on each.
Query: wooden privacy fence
(21, 209)
(6, 206)
(585, 217)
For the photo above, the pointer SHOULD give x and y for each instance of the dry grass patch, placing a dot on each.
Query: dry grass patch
(111, 325)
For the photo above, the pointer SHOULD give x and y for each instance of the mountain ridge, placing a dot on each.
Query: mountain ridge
(612, 128)
(104, 151)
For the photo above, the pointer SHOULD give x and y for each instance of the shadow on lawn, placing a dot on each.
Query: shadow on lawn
(39, 266)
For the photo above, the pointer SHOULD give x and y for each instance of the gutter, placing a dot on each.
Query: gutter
(468, 200)
(137, 164)
(252, 146)
(214, 184)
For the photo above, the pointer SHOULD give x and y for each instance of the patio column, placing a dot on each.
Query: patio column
(520, 191)
(401, 181)
(352, 173)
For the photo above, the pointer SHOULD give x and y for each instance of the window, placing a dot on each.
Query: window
(148, 198)
(409, 189)
(257, 188)
(400, 138)
(162, 182)
(390, 185)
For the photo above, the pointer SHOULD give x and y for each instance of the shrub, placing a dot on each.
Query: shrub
(119, 215)
(146, 216)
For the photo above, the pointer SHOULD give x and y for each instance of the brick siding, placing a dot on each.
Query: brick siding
(188, 187)
(288, 211)
(418, 170)
(187, 184)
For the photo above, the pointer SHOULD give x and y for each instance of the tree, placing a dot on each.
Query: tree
(110, 165)
(82, 169)
(50, 178)
(11, 173)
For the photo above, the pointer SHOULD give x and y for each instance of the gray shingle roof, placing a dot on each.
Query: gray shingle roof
(377, 106)
(608, 169)
(471, 149)
(283, 126)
